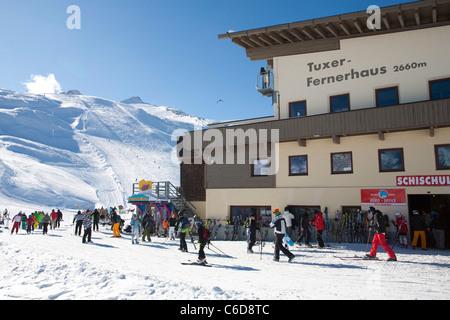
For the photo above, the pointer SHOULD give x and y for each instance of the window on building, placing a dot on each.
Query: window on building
(239, 214)
(387, 97)
(442, 154)
(342, 162)
(391, 160)
(297, 109)
(440, 89)
(260, 168)
(340, 103)
(298, 165)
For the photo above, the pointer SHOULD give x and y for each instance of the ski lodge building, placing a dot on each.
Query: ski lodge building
(361, 118)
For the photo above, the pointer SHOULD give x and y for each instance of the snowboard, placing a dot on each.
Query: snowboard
(289, 240)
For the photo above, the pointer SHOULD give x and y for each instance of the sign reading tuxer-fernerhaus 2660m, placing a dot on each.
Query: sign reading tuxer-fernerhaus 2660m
(353, 74)
(423, 181)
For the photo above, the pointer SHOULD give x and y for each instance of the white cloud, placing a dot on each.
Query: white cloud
(40, 84)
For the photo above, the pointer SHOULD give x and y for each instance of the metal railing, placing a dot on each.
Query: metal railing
(165, 191)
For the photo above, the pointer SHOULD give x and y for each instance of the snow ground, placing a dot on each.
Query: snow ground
(58, 266)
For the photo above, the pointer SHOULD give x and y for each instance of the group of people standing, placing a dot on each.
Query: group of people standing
(31, 222)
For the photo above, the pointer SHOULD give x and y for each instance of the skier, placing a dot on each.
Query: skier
(116, 219)
(438, 227)
(304, 229)
(53, 216)
(78, 220)
(320, 226)
(279, 223)
(135, 229)
(87, 224)
(183, 225)
(59, 218)
(419, 225)
(146, 223)
(16, 220)
(166, 228)
(6, 218)
(30, 223)
(204, 236)
(24, 221)
(45, 222)
(253, 226)
(288, 217)
(379, 227)
(96, 219)
(402, 229)
(172, 223)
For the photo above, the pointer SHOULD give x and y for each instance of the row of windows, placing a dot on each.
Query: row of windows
(389, 160)
(439, 89)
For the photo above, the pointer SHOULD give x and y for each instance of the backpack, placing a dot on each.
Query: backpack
(185, 223)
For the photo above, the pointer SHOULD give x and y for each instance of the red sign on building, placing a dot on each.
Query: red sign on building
(383, 197)
(425, 181)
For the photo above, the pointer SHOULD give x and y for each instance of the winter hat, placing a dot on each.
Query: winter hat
(198, 223)
(398, 214)
(276, 211)
(372, 209)
(415, 211)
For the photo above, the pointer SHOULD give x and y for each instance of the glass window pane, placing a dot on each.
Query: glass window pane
(440, 89)
(341, 162)
(340, 103)
(298, 165)
(387, 97)
(297, 109)
(391, 160)
(261, 167)
(443, 157)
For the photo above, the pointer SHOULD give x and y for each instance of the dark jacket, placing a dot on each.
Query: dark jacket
(147, 221)
(377, 222)
(304, 220)
(418, 223)
(279, 223)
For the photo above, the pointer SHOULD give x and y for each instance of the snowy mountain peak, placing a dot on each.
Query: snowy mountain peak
(133, 100)
(72, 92)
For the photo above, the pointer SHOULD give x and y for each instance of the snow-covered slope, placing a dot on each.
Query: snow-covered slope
(68, 149)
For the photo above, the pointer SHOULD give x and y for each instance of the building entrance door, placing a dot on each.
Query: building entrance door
(425, 203)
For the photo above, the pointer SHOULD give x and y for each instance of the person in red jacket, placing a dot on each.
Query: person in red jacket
(318, 222)
(30, 222)
(53, 216)
(16, 222)
(402, 229)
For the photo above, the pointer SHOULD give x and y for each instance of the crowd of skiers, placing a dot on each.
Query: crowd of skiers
(33, 221)
(143, 225)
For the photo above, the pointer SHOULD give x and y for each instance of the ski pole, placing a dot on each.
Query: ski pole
(221, 251)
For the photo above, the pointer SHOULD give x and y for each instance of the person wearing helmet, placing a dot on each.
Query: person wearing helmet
(203, 238)
(379, 228)
(279, 223)
(135, 224)
(402, 229)
(419, 225)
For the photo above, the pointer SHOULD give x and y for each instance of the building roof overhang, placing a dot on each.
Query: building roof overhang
(324, 34)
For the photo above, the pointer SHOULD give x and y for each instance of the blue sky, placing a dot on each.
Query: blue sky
(165, 51)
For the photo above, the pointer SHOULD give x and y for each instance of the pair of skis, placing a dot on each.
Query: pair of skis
(355, 258)
(197, 263)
